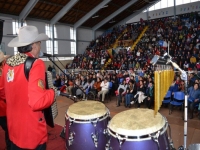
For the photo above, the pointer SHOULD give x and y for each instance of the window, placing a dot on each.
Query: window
(72, 33)
(49, 43)
(163, 4)
(186, 1)
(15, 26)
(157, 5)
(170, 3)
(194, 0)
(179, 2)
(73, 44)
(151, 8)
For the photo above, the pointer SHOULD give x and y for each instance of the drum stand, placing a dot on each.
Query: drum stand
(183, 77)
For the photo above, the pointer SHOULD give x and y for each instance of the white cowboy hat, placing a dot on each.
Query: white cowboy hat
(2, 56)
(27, 35)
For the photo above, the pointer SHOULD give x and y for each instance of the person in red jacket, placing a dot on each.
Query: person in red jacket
(26, 99)
(3, 119)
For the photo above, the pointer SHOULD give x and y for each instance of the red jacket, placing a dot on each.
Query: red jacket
(2, 98)
(25, 101)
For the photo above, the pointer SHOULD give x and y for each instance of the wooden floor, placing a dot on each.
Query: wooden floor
(175, 120)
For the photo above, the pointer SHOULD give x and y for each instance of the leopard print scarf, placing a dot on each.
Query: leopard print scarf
(17, 59)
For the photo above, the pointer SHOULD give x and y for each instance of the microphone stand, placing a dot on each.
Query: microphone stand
(65, 74)
(63, 66)
(183, 77)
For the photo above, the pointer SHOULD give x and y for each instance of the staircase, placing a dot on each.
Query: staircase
(114, 46)
(107, 63)
(139, 38)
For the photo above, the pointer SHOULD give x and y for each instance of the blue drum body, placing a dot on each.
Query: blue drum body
(138, 129)
(139, 143)
(86, 134)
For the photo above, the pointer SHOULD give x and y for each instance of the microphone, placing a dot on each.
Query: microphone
(45, 54)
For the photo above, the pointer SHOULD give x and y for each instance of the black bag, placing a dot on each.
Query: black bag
(121, 91)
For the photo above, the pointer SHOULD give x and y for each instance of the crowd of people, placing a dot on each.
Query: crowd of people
(131, 78)
(182, 34)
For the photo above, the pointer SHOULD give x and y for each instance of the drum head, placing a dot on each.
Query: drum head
(136, 122)
(86, 110)
(194, 147)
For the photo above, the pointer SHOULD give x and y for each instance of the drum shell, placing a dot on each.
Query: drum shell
(83, 131)
(141, 144)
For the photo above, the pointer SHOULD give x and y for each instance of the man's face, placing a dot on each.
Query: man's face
(36, 49)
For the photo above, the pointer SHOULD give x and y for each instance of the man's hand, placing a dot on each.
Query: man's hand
(196, 100)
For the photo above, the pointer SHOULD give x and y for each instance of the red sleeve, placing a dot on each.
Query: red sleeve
(39, 96)
(2, 90)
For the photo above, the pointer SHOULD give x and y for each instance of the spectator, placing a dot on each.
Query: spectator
(193, 98)
(104, 89)
(121, 91)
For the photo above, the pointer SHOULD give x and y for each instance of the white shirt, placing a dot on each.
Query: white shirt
(104, 86)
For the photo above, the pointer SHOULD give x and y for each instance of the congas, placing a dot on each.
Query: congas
(138, 129)
(86, 124)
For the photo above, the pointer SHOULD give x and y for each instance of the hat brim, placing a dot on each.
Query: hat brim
(16, 43)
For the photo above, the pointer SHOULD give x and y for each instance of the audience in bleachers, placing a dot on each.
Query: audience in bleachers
(132, 67)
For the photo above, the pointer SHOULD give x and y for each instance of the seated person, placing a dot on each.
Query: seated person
(97, 86)
(86, 88)
(79, 90)
(104, 89)
(140, 96)
(121, 91)
(69, 87)
(57, 82)
(130, 92)
(150, 95)
(193, 98)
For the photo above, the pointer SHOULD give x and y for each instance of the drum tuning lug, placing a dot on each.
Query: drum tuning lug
(94, 122)
(71, 138)
(95, 139)
(108, 148)
(155, 138)
(71, 121)
(105, 131)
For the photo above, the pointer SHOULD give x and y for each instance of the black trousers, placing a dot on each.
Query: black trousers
(149, 102)
(3, 124)
(39, 147)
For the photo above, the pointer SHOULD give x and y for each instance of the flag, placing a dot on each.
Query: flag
(162, 43)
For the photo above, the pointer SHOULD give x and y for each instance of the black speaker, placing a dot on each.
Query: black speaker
(1, 29)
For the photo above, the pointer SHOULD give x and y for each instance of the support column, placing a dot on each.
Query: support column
(147, 14)
(93, 34)
(22, 23)
(174, 9)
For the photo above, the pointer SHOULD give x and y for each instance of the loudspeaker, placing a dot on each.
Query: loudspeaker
(1, 29)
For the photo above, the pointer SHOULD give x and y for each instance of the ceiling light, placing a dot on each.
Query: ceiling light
(95, 16)
(105, 6)
(113, 21)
